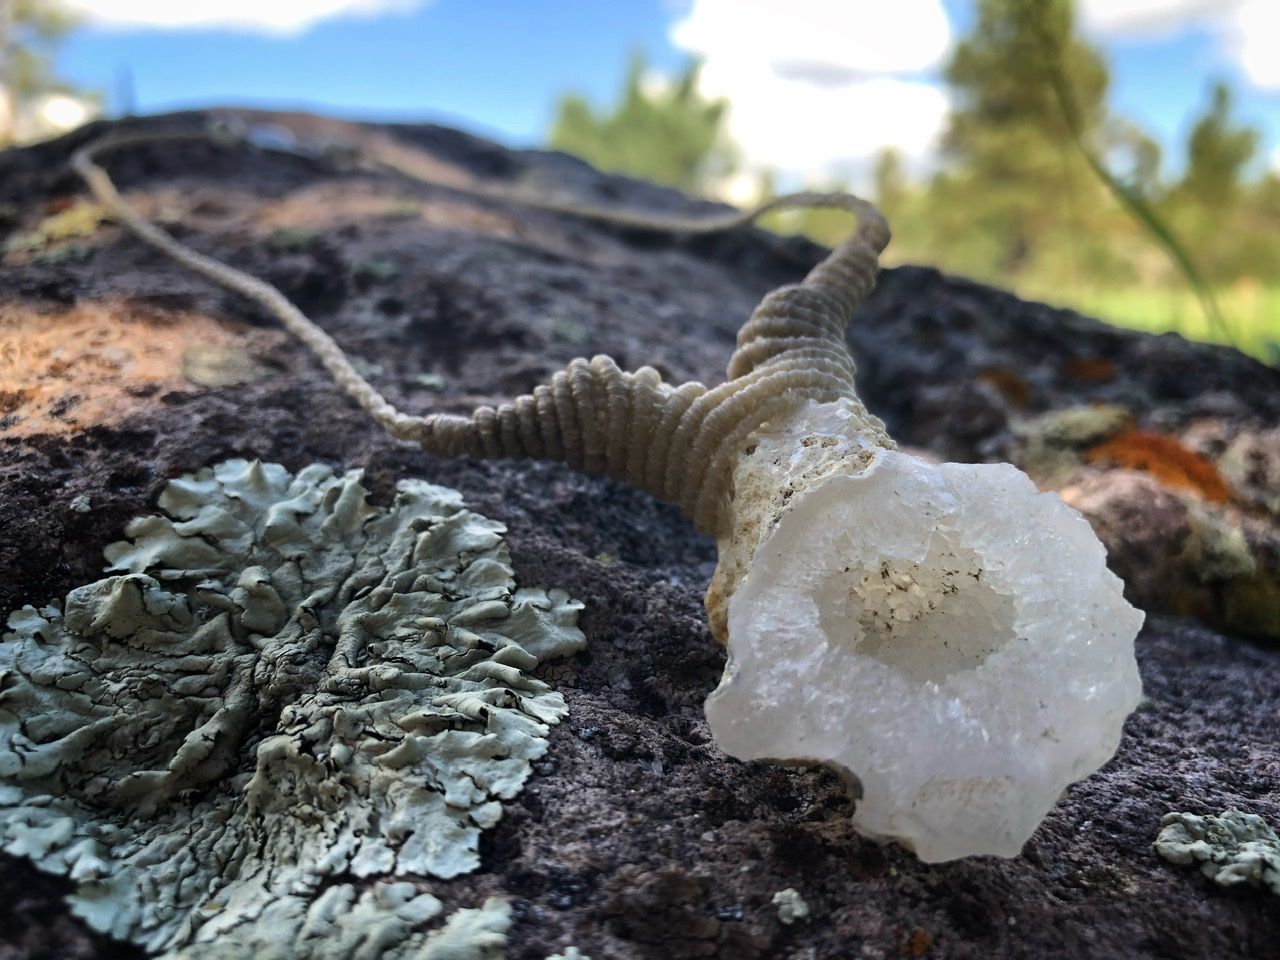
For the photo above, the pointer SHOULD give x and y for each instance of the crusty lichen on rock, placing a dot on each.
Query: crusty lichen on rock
(280, 683)
(791, 906)
(1232, 849)
(384, 922)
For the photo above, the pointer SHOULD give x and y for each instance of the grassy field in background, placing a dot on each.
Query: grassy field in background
(1251, 312)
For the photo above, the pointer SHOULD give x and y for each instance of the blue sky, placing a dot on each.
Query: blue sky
(491, 65)
(496, 66)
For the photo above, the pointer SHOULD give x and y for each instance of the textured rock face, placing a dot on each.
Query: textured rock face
(946, 635)
(629, 838)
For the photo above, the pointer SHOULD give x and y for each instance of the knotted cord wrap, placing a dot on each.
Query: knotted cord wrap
(681, 442)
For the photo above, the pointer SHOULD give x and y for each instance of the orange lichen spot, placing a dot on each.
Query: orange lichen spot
(918, 944)
(63, 371)
(1090, 369)
(55, 205)
(1012, 386)
(1166, 459)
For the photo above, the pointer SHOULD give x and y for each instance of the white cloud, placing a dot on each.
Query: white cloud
(850, 37)
(817, 132)
(1254, 38)
(1248, 30)
(816, 89)
(279, 17)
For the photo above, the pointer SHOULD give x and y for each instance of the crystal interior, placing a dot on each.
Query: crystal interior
(945, 635)
(927, 619)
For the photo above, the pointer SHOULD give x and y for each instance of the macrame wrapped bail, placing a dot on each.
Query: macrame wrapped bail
(681, 443)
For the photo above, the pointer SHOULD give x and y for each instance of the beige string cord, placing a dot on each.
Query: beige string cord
(679, 443)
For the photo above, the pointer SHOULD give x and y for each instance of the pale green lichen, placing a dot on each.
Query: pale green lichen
(292, 240)
(385, 922)
(282, 684)
(1080, 426)
(791, 906)
(220, 365)
(1051, 442)
(1232, 849)
(1217, 549)
(376, 270)
(470, 934)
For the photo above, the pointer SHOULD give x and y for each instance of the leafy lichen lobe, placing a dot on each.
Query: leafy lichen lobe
(279, 683)
(1232, 849)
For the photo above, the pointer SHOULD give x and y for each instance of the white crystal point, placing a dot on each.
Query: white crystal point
(945, 635)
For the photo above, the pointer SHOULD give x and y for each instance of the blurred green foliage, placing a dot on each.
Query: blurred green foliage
(1217, 154)
(1008, 152)
(1060, 201)
(661, 130)
(29, 33)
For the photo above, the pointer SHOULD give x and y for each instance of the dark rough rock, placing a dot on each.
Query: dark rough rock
(635, 837)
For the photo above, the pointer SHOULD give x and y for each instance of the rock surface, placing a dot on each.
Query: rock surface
(636, 837)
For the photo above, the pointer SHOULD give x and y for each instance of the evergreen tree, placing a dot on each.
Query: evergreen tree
(29, 32)
(1218, 152)
(890, 183)
(1015, 175)
(1223, 215)
(663, 131)
(1253, 250)
(1137, 157)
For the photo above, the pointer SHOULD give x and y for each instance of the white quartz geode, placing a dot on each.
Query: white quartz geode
(946, 636)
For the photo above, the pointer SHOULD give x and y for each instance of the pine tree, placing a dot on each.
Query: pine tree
(890, 182)
(1222, 214)
(1016, 181)
(661, 130)
(1218, 152)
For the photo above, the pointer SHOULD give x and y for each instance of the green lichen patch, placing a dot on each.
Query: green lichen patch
(385, 922)
(1052, 442)
(470, 934)
(220, 365)
(1077, 426)
(292, 240)
(375, 270)
(791, 906)
(1232, 849)
(280, 683)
